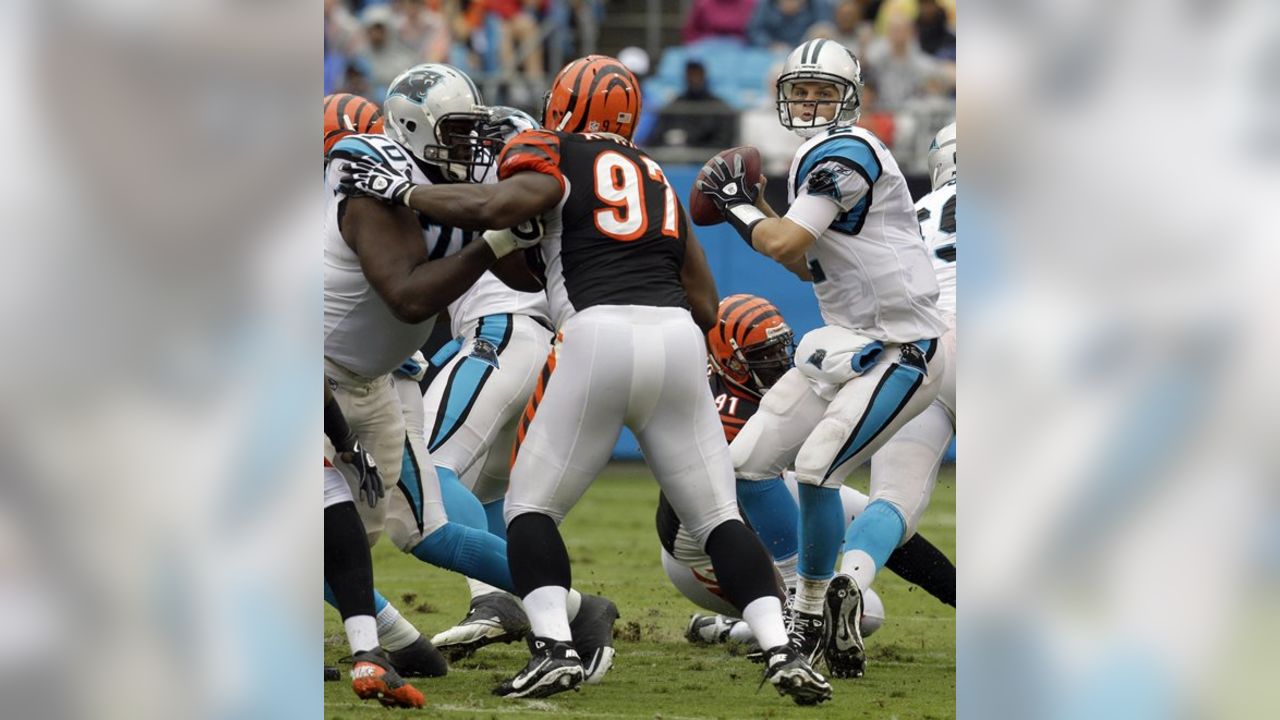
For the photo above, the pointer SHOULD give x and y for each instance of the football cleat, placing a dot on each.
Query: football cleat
(493, 618)
(709, 629)
(418, 659)
(592, 630)
(789, 674)
(806, 635)
(553, 668)
(846, 657)
(372, 677)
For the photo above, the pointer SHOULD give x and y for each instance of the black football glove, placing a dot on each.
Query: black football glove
(366, 472)
(725, 184)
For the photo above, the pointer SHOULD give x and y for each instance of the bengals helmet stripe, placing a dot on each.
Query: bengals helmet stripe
(346, 114)
(751, 344)
(596, 93)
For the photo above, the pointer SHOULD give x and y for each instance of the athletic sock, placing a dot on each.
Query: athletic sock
(348, 567)
(459, 504)
(497, 523)
(764, 616)
(480, 589)
(548, 618)
(471, 552)
(573, 603)
(869, 541)
(821, 526)
(362, 632)
(394, 631)
(810, 594)
(918, 562)
(773, 514)
(787, 569)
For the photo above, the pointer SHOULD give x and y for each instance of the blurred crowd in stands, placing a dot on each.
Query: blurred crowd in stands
(712, 91)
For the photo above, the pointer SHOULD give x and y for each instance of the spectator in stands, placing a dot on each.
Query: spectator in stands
(696, 118)
(386, 55)
(518, 36)
(872, 116)
(343, 33)
(718, 18)
(357, 80)
(847, 27)
(423, 29)
(784, 24)
(902, 69)
(931, 28)
(777, 144)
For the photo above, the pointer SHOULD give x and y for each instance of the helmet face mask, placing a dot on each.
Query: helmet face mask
(767, 362)
(810, 67)
(435, 111)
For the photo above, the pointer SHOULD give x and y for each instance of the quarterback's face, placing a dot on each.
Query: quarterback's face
(813, 99)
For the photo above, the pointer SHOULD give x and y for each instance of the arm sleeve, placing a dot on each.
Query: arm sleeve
(531, 151)
(814, 213)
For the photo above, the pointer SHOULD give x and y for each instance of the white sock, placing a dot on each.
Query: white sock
(362, 632)
(810, 594)
(573, 604)
(479, 588)
(394, 631)
(859, 565)
(741, 633)
(764, 615)
(787, 569)
(545, 607)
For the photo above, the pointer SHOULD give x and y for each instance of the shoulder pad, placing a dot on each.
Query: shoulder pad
(849, 151)
(378, 147)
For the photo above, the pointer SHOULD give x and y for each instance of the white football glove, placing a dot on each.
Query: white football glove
(525, 235)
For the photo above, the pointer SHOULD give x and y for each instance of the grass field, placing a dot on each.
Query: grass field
(611, 539)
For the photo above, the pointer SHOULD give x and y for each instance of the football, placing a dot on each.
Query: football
(704, 212)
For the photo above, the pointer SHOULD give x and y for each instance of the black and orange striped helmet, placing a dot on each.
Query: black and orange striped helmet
(596, 93)
(346, 114)
(751, 345)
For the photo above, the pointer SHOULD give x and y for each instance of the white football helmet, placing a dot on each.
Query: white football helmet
(942, 156)
(820, 61)
(435, 111)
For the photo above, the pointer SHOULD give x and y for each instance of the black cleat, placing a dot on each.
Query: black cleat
(788, 672)
(846, 657)
(709, 629)
(493, 618)
(592, 630)
(553, 668)
(419, 659)
(806, 635)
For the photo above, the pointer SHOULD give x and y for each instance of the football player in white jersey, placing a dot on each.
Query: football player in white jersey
(910, 459)
(851, 230)
(380, 302)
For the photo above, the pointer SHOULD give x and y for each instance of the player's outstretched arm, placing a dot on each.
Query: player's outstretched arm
(469, 206)
(388, 241)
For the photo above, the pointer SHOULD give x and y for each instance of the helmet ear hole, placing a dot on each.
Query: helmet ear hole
(411, 126)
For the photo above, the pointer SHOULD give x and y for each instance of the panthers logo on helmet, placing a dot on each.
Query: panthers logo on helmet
(415, 86)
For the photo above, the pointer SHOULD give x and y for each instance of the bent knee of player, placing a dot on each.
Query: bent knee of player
(705, 523)
(819, 452)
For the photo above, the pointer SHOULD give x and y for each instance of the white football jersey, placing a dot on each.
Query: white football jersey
(870, 271)
(937, 215)
(361, 333)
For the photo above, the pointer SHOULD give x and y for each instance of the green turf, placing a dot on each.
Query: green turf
(611, 539)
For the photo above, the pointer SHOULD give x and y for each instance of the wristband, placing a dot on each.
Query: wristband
(501, 242)
(743, 218)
